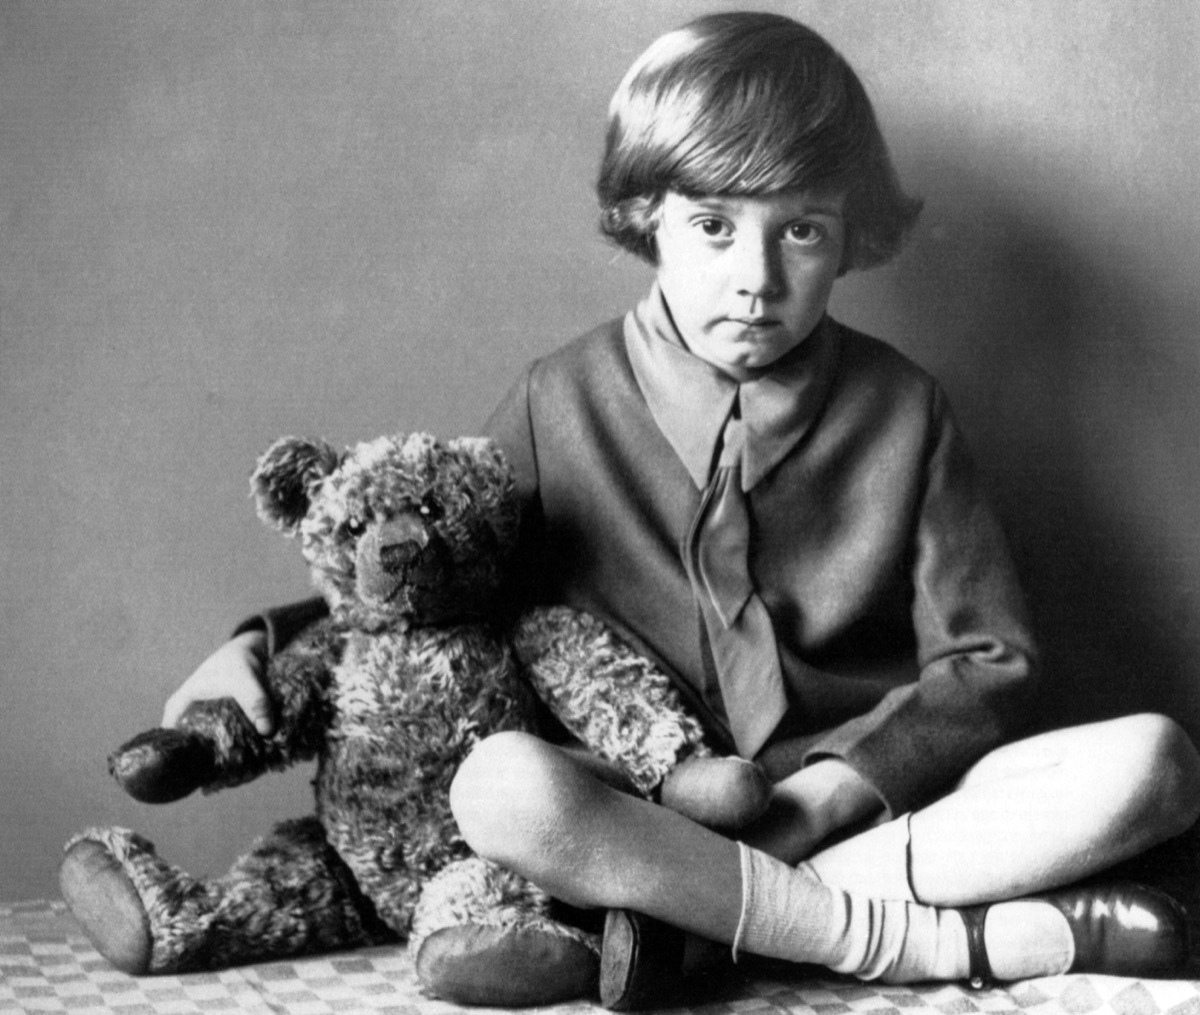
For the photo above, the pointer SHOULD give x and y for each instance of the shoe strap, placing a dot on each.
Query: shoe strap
(979, 975)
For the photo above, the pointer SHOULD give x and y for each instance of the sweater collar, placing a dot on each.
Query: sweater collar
(691, 399)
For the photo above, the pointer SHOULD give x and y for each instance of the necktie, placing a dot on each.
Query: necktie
(739, 628)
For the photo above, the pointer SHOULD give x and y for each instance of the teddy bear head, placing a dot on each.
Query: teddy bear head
(397, 531)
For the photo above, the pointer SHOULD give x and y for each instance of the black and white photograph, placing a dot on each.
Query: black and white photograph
(600, 505)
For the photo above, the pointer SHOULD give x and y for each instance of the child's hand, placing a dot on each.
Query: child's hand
(810, 805)
(232, 671)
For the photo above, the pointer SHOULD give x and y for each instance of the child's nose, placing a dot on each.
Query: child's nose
(757, 270)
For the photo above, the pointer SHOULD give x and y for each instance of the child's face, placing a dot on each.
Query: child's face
(747, 278)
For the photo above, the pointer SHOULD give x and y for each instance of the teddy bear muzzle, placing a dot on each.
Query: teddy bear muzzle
(389, 553)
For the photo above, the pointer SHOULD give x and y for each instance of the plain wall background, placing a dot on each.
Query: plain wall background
(227, 222)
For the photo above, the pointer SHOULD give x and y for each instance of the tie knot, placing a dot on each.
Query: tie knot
(733, 441)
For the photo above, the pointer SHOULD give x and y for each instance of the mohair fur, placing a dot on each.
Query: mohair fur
(407, 539)
(608, 696)
(290, 895)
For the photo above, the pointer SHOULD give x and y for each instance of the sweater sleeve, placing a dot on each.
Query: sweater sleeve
(976, 656)
(283, 623)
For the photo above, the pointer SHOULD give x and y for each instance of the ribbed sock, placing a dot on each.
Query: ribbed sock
(787, 913)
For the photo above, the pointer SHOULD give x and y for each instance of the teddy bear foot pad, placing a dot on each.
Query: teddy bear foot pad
(506, 966)
(107, 906)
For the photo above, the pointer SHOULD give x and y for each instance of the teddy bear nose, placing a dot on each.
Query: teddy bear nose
(395, 555)
(400, 541)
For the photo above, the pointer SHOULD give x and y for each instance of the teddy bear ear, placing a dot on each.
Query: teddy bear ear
(493, 481)
(285, 476)
(487, 456)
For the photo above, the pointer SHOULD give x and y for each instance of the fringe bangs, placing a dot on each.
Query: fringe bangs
(748, 105)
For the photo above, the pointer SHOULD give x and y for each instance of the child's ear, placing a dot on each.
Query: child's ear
(285, 476)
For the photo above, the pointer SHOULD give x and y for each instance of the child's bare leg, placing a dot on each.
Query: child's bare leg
(1033, 815)
(534, 809)
(538, 810)
(529, 806)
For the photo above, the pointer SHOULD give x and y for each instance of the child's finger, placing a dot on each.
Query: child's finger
(174, 708)
(257, 706)
(232, 671)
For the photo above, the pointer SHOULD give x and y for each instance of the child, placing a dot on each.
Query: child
(782, 513)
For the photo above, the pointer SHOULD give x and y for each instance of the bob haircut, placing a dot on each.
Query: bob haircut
(748, 104)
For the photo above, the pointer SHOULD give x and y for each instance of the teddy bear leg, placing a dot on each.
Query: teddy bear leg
(483, 935)
(289, 895)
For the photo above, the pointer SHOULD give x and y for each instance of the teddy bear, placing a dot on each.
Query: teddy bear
(407, 539)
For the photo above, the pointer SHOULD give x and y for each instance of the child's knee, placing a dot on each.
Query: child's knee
(1166, 775)
(1179, 772)
(496, 791)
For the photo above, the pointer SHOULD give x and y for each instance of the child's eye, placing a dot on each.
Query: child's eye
(806, 233)
(713, 228)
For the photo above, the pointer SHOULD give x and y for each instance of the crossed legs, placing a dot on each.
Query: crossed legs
(1032, 815)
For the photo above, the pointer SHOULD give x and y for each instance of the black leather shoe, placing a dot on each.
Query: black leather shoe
(641, 961)
(1123, 928)
(1120, 928)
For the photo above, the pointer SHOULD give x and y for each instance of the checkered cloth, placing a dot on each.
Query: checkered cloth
(47, 965)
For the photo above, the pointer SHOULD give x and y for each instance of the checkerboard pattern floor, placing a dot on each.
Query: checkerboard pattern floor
(47, 965)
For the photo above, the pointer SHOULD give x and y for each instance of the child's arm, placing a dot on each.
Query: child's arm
(978, 665)
(811, 805)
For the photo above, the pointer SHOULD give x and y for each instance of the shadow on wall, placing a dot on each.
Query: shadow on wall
(1066, 336)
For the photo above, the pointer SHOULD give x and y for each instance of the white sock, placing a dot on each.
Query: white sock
(789, 914)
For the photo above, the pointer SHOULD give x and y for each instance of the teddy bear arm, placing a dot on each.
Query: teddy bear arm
(623, 707)
(212, 745)
(297, 681)
(215, 745)
(160, 765)
(613, 699)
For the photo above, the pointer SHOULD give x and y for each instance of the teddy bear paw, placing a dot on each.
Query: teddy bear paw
(717, 792)
(160, 766)
(107, 905)
(506, 966)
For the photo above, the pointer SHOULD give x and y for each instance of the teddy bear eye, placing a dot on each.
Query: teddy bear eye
(354, 528)
(430, 511)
